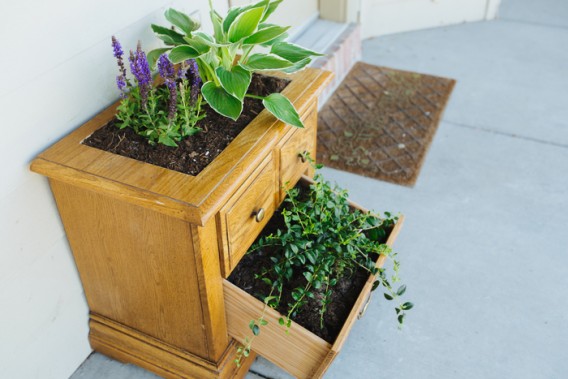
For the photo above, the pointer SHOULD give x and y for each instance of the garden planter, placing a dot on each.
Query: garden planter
(152, 245)
(300, 352)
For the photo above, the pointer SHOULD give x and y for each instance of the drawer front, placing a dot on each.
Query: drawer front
(292, 164)
(244, 216)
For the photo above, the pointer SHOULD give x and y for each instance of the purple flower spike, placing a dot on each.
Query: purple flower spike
(195, 79)
(166, 69)
(121, 84)
(118, 53)
(141, 70)
(117, 48)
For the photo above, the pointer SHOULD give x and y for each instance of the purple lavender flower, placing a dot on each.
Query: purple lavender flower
(166, 70)
(141, 70)
(195, 79)
(121, 84)
(121, 81)
(117, 48)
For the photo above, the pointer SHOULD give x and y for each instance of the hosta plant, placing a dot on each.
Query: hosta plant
(163, 114)
(323, 240)
(228, 58)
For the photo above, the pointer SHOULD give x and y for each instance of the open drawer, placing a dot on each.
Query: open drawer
(300, 352)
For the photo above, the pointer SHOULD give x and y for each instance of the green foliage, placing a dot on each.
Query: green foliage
(226, 60)
(324, 239)
(153, 121)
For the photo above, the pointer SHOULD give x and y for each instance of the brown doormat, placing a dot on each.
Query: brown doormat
(380, 122)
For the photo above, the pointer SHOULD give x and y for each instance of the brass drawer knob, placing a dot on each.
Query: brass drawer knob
(303, 156)
(259, 215)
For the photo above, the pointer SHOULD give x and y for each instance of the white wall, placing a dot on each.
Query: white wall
(58, 71)
(380, 17)
(295, 13)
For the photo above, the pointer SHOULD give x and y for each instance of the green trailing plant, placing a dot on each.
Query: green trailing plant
(228, 58)
(323, 240)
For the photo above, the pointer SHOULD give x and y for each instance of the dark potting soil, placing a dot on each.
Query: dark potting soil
(194, 153)
(344, 294)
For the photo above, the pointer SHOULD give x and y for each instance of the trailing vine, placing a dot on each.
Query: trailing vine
(323, 240)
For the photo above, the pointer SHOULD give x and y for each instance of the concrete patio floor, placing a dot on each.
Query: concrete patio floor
(484, 249)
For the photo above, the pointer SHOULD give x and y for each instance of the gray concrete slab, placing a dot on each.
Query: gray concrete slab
(548, 12)
(484, 256)
(512, 77)
(97, 366)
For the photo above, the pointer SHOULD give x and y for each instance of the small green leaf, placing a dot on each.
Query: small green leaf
(292, 52)
(245, 24)
(401, 290)
(308, 276)
(221, 101)
(408, 305)
(208, 40)
(282, 109)
(265, 62)
(265, 35)
(388, 297)
(232, 14)
(281, 321)
(182, 53)
(270, 9)
(236, 82)
(217, 22)
(251, 324)
(181, 20)
(376, 284)
(256, 330)
(164, 139)
(169, 36)
(263, 322)
(298, 66)
(198, 44)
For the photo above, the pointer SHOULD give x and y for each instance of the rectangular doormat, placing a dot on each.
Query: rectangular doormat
(380, 122)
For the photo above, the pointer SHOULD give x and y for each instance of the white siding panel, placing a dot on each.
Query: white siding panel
(380, 17)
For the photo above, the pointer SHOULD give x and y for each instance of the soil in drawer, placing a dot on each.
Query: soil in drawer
(307, 350)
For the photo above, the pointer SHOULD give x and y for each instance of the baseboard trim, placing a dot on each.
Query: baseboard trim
(130, 346)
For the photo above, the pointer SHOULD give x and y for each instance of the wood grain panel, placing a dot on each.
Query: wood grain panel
(136, 266)
(242, 228)
(298, 352)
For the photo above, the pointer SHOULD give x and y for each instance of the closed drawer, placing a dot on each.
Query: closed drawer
(300, 352)
(246, 213)
(293, 149)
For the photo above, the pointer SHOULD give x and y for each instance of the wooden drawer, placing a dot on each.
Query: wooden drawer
(300, 352)
(292, 164)
(246, 213)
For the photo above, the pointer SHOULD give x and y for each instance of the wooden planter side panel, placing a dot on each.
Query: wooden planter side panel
(137, 266)
(298, 352)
